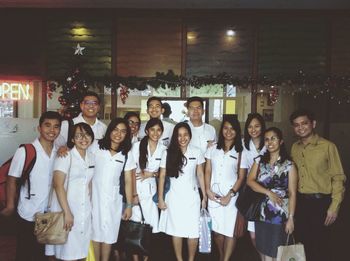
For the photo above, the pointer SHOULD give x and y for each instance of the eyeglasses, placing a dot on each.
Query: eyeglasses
(91, 103)
(80, 136)
(134, 123)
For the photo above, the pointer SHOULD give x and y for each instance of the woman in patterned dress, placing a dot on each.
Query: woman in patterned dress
(276, 177)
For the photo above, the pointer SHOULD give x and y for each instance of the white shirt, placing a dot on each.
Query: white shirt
(248, 156)
(201, 135)
(98, 128)
(224, 169)
(167, 133)
(40, 180)
(153, 160)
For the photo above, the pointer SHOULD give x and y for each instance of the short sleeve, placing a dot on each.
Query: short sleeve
(17, 163)
(62, 163)
(130, 163)
(209, 152)
(200, 157)
(61, 140)
(244, 160)
(163, 161)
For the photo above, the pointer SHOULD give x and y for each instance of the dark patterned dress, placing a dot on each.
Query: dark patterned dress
(270, 229)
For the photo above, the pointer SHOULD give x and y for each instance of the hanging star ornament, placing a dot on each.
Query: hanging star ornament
(78, 50)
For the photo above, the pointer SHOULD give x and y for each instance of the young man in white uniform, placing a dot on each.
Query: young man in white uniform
(40, 179)
(203, 134)
(90, 106)
(155, 110)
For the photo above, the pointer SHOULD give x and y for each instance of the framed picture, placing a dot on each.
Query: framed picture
(268, 114)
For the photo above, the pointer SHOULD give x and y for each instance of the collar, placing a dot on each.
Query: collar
(80, 118)
(313, 141)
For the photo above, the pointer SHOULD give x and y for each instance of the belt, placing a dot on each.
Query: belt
(314, 195)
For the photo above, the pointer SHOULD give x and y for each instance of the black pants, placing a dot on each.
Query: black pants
(28, 249)
(310, 229)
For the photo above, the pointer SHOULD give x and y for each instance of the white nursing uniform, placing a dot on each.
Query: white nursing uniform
(202, 135)
(167, 133)
(98, 128)
(148, 187)
(107, 203)
(248, 157)
(181, 218)
(78, 196)
(40, 180)
(223, 177)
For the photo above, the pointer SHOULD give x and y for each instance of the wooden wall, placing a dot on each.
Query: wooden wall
(148, 45)
(340, 46)
(287, 45)
(210, 51)
(92, 32)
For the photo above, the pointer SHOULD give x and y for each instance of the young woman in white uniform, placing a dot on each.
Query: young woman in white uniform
(107, 202)
(222, 183)
(253, 147)
(181, 207)
(134, 123)
(73, 194)
(148, 154)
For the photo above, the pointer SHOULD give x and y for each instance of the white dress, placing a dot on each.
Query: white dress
(107, 203)
(248, 157)
(223, 177)
(78, 197)
(181, 218)
(148, 187)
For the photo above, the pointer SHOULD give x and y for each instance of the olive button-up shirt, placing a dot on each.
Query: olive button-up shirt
(320, 169)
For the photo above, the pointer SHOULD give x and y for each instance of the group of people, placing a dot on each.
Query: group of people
(83, 164)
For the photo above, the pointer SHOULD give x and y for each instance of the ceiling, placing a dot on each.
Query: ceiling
(183, 4)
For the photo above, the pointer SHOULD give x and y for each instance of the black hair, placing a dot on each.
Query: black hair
(143, 157)
(105, 142)
(175, 159)
(82, 126)
(154, 98)
(194, 98)
(130, 114)
(301, 112)
(167, 109)
(51, 115)
(90, 93)
(247, 137)
(283, 151)
(231, 119)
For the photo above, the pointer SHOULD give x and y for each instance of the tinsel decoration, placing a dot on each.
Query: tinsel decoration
(123, 93)
(302, 83)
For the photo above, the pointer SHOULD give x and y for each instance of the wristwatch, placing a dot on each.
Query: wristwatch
(232, 193)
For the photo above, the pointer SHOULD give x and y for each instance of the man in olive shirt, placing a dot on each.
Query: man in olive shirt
(321, 186)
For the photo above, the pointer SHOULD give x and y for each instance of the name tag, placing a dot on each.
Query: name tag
(119, 161)
(166, 138)
(191, 158)
(158, 159)
(91, 167)
(233, 157)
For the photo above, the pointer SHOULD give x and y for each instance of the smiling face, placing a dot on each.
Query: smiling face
(183, 137)
(272, 142)
(90, 106)
(228, 132)
(303, 127)
(155, 109)
(254, 128)
(118, 135)
(154, 133)
(134, 125)
(49, 129)
(81, 139)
